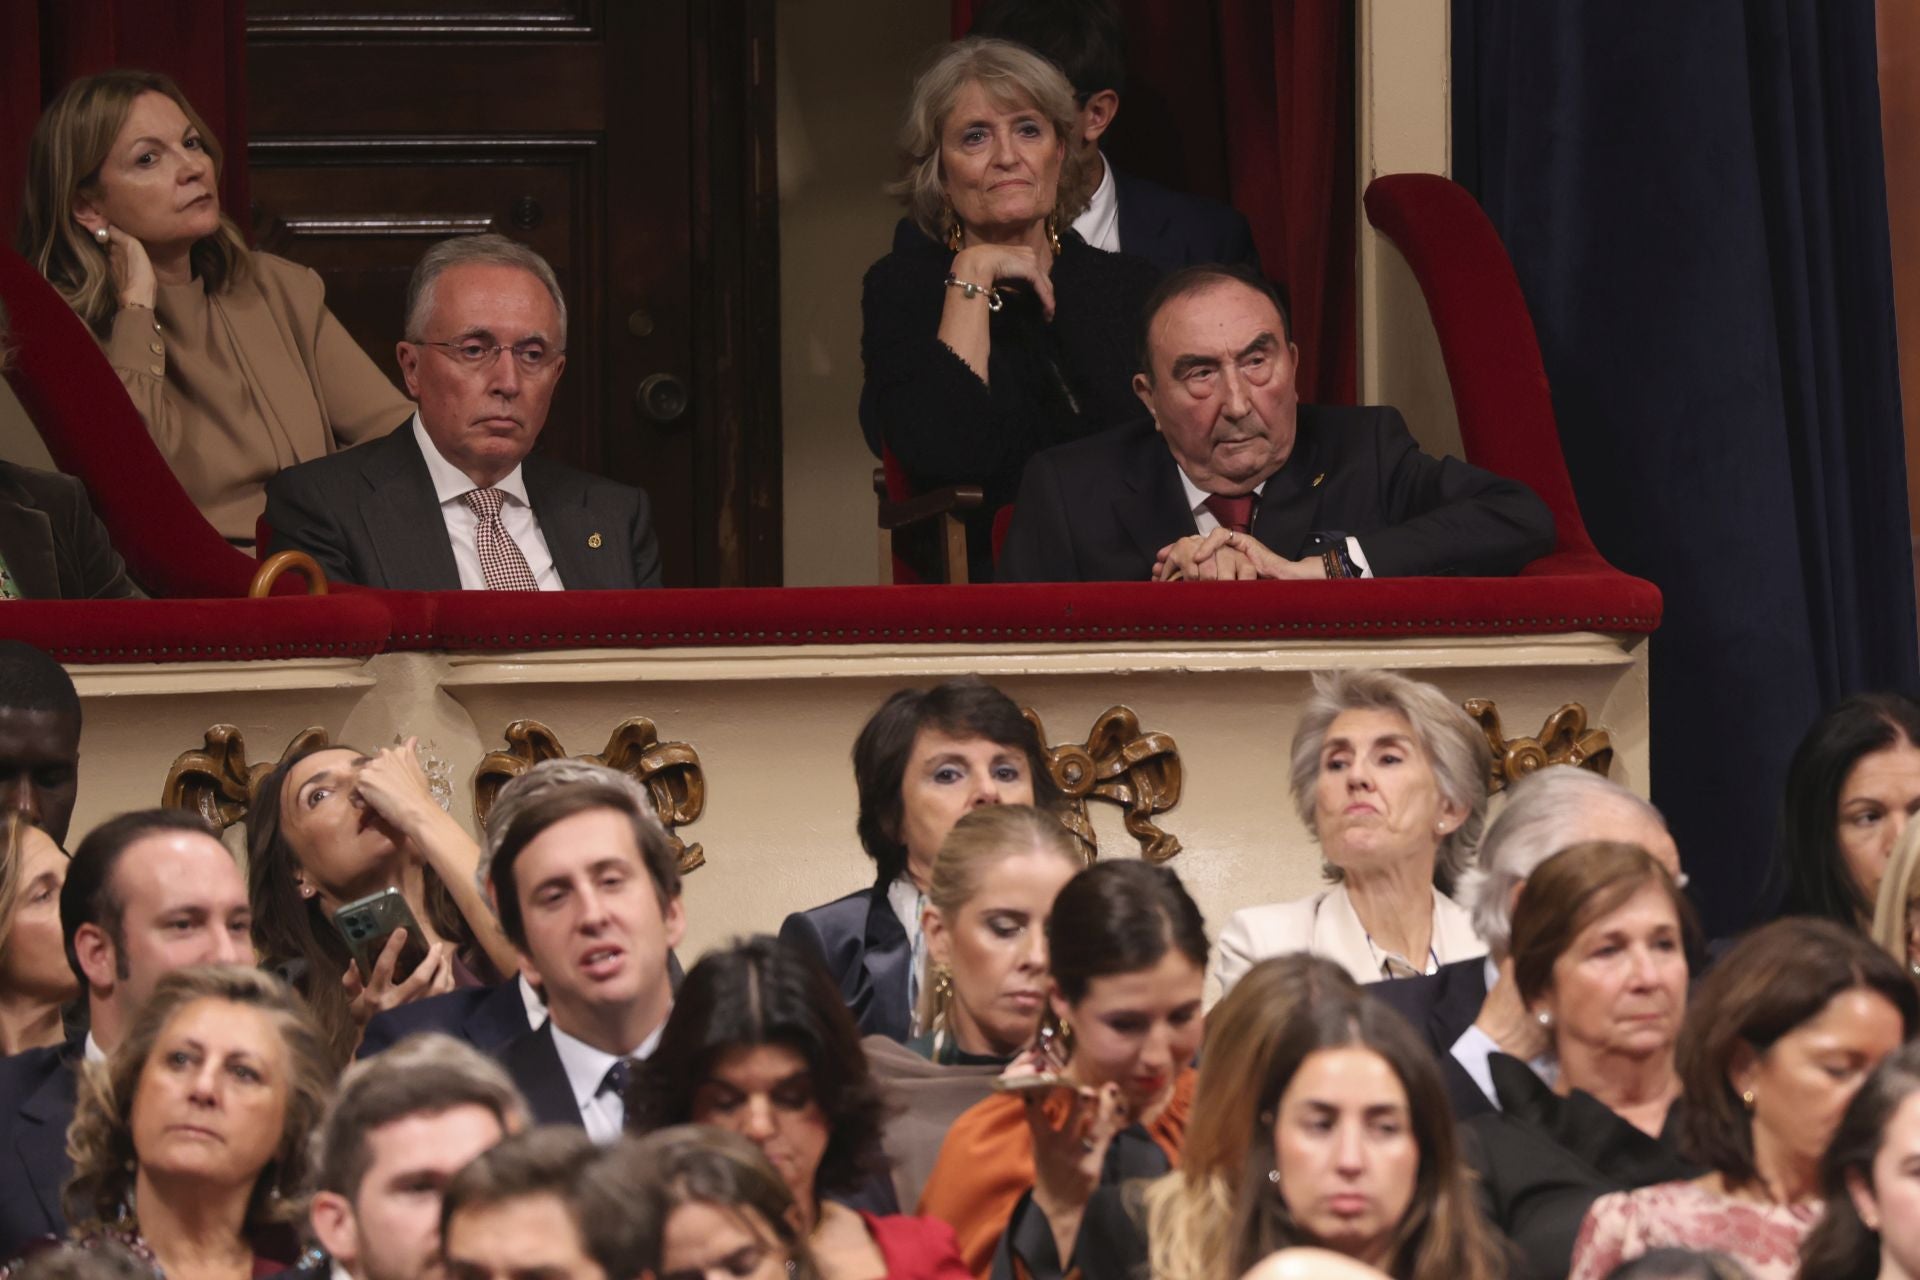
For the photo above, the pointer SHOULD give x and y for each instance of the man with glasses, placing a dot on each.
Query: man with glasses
(486, 344)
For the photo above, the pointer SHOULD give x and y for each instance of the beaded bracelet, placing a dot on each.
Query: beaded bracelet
(972, 290)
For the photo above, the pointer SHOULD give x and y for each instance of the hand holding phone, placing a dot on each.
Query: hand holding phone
(366, 924)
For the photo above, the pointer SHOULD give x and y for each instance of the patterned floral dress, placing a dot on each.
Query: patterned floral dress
(1765, 1238)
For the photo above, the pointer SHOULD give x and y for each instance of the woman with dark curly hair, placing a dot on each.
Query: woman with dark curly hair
(331, 825)
(926, 757)
(190, 1145)
(760, 1044)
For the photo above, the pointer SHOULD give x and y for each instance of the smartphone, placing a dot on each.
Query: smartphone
(366, 924)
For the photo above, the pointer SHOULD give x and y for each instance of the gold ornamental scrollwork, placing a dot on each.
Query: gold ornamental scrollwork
(1120, 764)
(216, 782)
(1563, 739)
(670, 771)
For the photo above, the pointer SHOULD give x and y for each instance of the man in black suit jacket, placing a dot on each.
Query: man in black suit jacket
(1469, 1009)
(1234, 478)
(54, 546)
(486, 344)
(587, 888)
(1126, 214)
(179, 901)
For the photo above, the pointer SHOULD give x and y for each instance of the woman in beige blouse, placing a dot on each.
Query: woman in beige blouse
(231, 356)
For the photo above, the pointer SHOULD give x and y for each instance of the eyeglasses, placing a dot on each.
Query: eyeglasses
(531, 355)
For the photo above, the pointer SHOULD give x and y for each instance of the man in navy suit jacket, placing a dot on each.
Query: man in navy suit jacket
(1128, 214)
(179, 901)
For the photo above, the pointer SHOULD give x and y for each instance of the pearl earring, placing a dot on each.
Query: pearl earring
(1747, 1098)
(1273, 1176)
(1545, 1019)
(100, 234)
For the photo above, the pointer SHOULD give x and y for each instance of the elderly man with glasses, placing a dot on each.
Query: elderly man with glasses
(485, 347)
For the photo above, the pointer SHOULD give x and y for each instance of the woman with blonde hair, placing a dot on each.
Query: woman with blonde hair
(35, 978)
(190, 1145)
(1320, 1120)
(992, 330)
(231, 356)
(1896, 906)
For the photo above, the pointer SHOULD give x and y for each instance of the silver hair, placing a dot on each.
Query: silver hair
(1462, 761)
(1012, 76)
(1544, 813)
(488, 249)
(542, 778)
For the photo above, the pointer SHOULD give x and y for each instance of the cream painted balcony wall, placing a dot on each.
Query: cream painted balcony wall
(773, 729)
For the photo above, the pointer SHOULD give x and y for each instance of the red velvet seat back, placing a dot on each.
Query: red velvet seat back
(93, 431)
(1486, 336)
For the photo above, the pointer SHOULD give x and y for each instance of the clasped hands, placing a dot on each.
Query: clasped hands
(1224, 555)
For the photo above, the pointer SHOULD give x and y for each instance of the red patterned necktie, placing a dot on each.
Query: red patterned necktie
(501, 564)
(1234, 514)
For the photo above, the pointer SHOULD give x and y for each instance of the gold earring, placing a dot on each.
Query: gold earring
(1747, 1098)
(942, 987)
(1053, 232)
(955, 234)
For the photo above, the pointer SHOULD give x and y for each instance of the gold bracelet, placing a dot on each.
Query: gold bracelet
(971, 290)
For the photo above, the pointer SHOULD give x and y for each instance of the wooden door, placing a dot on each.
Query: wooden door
(631, 143)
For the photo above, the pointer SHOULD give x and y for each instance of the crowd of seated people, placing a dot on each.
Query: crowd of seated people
(1582, 1086)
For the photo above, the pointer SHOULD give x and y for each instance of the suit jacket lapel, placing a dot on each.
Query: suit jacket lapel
(1152, 507)
(26, 534)
(500, 1017)
(41, 1143)
(402, 516)
(535, 1066)
(1290, 502)
(559, 504)
(888, 959)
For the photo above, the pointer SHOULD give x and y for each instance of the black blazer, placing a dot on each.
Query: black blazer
(1441, 1006)
(369, 515)
(864, 947)
(1172, 229)
(36, 1106)
(1543, 1160)
(534, 1064)
(1098, 509)
(488, 1018)
(54, 545)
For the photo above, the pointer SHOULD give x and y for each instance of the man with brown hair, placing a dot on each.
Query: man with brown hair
(400, 1127)
(512, 1214)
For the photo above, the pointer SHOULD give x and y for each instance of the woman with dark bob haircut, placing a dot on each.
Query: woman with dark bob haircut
(925, 758)
(1852, 785)
(1869, 1228)
(1129, 956)
(760, 1044)
(1780, 1036)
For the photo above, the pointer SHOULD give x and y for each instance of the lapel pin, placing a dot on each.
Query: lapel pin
(1317, 479)
(593, 540)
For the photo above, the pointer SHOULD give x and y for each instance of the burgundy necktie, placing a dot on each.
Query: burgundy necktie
(501, 564)
(1234, 514)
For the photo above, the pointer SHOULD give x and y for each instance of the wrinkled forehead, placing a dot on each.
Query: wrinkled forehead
(505, 302)
(997, 93)
(1220, 318)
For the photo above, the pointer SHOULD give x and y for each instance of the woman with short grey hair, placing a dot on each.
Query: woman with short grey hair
(992, 330)
(1390, 776)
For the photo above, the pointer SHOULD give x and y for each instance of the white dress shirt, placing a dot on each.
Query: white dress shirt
(907, 902)
(603, 1114)
(530, 997)
(92, 1051)
(1474, 1049)
(1205, 523)
(516, 516)
(1099, 224)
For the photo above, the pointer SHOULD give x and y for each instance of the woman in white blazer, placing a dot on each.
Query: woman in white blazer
(1390, 776)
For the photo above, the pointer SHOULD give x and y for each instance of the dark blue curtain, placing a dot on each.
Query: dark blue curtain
(1693, 195)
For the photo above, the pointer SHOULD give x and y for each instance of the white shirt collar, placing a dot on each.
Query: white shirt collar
(449, 481)
(530, 996)
(906, 902)
(587, 1066)
(1099, 223)
(1196, 496)
(92, 1051)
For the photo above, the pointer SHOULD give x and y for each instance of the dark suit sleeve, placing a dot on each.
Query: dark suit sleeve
(301, 519)
(646, 547)
(1039, 545)
(90, 569)
(1447, 517)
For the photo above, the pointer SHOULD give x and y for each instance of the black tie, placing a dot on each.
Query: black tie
(617, 1078)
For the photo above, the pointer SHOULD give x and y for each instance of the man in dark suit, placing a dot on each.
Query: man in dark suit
(53, 546)
(1234, 478)
(1470, 1009)
(1126, 214)
(588, 889)
(486, 344)
(146, 893)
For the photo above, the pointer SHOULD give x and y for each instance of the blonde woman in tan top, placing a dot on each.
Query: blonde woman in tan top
(231, 356)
